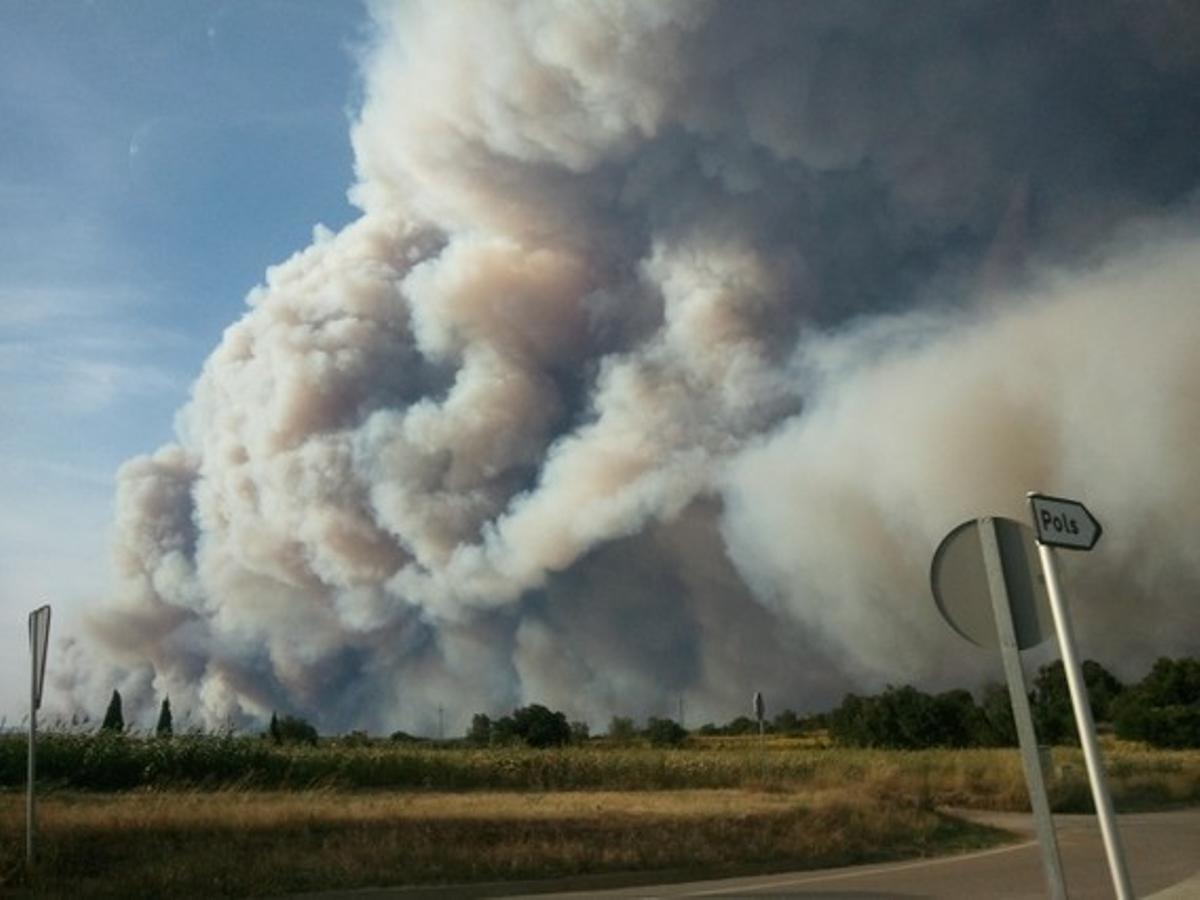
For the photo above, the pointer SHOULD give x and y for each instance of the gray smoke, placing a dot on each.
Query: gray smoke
(671, 339)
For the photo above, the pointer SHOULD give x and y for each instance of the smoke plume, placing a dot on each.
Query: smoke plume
(671, 339)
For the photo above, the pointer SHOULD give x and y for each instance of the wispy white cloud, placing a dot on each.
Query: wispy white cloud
(38, 469)
(46, 384)
(69, 348)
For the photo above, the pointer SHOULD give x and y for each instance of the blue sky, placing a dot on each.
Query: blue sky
(157, 157)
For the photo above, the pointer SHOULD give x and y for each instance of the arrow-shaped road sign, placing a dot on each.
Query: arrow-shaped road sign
(39, 638)
(1064, 523)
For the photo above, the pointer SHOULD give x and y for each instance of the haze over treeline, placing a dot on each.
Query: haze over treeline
(671, 339)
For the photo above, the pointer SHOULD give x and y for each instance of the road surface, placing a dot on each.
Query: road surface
(1162, 850)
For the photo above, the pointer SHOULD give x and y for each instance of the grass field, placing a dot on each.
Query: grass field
(205, 816)
(989, 779)
(233, 843)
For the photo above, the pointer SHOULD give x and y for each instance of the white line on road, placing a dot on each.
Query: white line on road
(879, 870)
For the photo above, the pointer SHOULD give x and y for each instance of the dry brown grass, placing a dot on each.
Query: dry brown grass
(276, 809)
(242, 843)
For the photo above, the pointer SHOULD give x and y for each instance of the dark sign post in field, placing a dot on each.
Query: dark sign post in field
(39, 640)
(986, 565)
(1067, 523)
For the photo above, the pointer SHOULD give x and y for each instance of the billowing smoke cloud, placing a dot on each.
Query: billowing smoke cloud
(671, 339)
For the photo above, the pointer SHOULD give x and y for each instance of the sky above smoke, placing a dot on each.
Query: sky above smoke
(669, 342)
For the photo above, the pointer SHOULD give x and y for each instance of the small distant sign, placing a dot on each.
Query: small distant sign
(1064, 523)
(39, 640)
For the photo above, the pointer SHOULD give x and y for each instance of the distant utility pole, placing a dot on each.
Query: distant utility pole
(681, 725)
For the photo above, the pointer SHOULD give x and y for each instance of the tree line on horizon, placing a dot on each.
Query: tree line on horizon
(1163, 710)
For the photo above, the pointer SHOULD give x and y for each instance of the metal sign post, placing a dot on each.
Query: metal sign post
(39, 639)
(1064, 523)
(983, 583)
(1010, 655)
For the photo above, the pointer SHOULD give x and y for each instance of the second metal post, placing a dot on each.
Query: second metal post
(1087, 728)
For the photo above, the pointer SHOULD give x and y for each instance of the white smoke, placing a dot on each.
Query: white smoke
(671, 339)
(1085, 386)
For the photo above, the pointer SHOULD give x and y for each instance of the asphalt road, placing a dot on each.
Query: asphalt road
(1162, 851)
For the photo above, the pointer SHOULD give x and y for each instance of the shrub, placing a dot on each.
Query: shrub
(1174, 727)
(741, 725)
(1164, 708)
(1172, 682)
(1053, 715)
(621, 729)
(292, 730)
(480, 732)
(538, 726)
(114, 719)
(907, 719)
(665, 732)
(786, 722)
(957, 721)
(504, 731)
(996, 725)
(165, 727)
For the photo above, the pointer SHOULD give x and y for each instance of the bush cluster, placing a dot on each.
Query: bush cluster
(291, 730)
(1164, 708)
(665, 733)
(786, 722)
(907, 719)
(534, 725)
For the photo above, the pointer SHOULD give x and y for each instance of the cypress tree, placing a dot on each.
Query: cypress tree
(165, 726)
(273, 730)
(114, 720)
